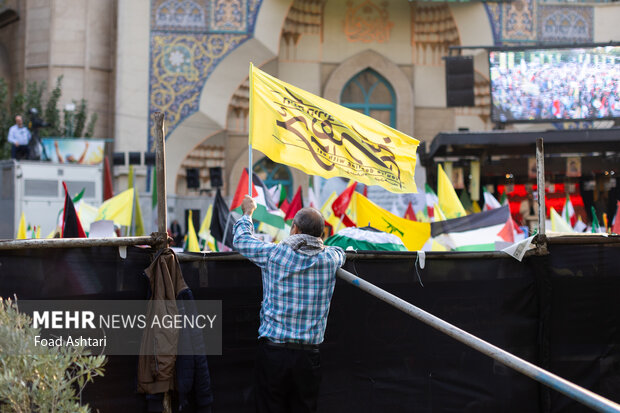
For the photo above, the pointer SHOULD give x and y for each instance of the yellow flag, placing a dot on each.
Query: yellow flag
(38, 232)
(414, 234)
(204, 232)
(559, 224)
(295, 127)
(435, 246)
(328, 212)
(118, 208)
(137, 226)
(419, 215)
(21, 229)
(448, 200)
(437, 214)
(475, 207)
(192, 240)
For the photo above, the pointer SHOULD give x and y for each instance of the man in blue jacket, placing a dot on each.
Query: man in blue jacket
(19, 136)
(299, 275)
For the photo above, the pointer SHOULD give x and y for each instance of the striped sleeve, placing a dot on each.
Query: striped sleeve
(248, 245)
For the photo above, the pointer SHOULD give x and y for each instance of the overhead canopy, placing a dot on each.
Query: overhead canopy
(500, 142)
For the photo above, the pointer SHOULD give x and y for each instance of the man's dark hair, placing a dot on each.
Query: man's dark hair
(310, 222)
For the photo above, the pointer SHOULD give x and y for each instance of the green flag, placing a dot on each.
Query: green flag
(596, 227)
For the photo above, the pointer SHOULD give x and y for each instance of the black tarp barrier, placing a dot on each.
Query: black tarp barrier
(559, 311)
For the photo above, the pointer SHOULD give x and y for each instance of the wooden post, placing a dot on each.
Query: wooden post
(162, 207)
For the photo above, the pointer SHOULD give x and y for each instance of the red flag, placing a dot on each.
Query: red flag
(296, 204)
(507, 233)
(410, 213)
(616, 228)
(284, 206)
(71, 225)
(366, 191)
(108, 189)
(242, 190)
(340, 205)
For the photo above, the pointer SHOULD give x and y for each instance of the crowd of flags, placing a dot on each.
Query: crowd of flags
(447, 222)
(353, 146)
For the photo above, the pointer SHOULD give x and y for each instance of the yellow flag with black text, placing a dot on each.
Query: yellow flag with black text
(414, 234)
(296, 128)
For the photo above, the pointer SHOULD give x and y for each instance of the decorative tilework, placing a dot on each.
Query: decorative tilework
(519, 21)
(565, 24)
(189, 38)
(494, 11)
(367, 22)
(229, 15)
(179, 15)
(180, 65)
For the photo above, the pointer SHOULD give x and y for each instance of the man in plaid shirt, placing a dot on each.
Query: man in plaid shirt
(299, 275)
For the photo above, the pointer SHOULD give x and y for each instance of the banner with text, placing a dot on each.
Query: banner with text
(296, 128)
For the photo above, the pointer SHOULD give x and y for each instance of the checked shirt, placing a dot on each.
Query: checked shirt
(297, 288)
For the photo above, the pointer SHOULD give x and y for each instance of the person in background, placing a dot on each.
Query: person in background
(18, 137)
(299, 275)
(176, 233)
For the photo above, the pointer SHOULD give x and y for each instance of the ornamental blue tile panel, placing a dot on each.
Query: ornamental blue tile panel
(565, 24)
(525, 21)
(188, 39)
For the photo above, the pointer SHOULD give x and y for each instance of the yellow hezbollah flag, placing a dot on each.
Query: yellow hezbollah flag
(192, 240)
(294, 127)
(414, 234)
(118, 208)
(448, 200)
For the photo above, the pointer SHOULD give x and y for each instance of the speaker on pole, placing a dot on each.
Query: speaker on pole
(192, 178)
(459, 81)
(215, 174)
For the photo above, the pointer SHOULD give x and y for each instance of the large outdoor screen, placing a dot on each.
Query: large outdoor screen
(554, 84)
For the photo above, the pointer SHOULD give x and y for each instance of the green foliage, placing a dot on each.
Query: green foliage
(73, 125)
(90, 129)
(52, 114)
(38, 378)
(79, 120)
(4, 119)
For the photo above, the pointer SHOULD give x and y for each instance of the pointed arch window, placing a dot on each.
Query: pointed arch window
(369, 93)
(273, 174)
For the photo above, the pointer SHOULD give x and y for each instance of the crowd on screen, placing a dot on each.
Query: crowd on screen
(559, 90)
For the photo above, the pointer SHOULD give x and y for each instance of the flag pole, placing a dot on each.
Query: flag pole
(250, 132)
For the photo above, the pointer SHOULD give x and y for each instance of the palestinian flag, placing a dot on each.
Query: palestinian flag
(266, 209)
(366, 239)
(222, 221)
(71, 226)
(489, 200)
(297, 203)
(431, 200)
(568, 212)
(475, 232)
(341, 205)
(410, 213)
